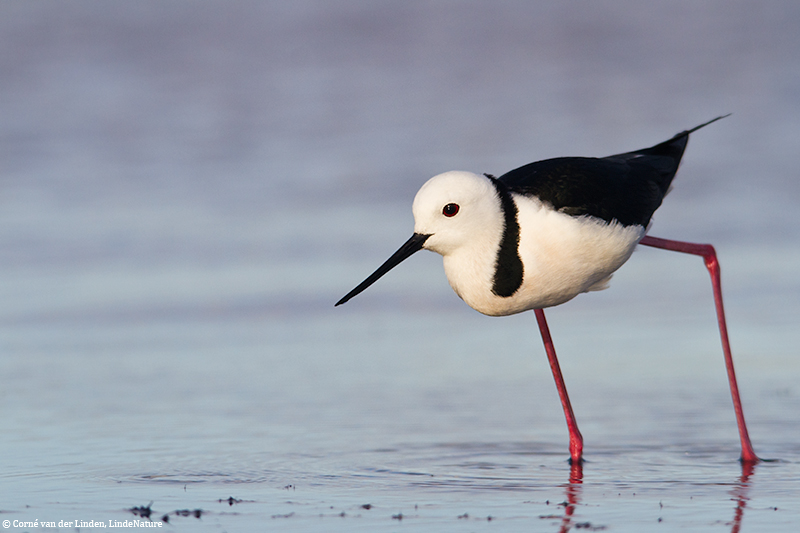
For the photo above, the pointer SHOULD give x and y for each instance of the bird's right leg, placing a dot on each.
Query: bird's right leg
(709, 256)
(575, 438)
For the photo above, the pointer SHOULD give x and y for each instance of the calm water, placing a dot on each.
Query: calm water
(186, 189)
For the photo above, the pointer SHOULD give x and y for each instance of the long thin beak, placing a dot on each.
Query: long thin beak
(412, 245)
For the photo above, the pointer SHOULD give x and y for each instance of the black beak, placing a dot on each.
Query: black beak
(412, 245)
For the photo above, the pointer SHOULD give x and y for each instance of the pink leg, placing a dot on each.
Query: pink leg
(575, 438)
(712, 264)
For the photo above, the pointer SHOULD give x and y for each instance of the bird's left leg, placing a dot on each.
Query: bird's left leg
(712, 264)
(575, 438)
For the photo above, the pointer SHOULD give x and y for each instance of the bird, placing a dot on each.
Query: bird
(543, 233)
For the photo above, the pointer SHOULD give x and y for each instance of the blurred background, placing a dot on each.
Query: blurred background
(186, 188)
(142, 136)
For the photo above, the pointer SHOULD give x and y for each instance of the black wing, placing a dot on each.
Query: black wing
(625, 187)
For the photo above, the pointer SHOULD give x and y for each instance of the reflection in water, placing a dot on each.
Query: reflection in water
(574, 490)
(573, 494)
(739, 494)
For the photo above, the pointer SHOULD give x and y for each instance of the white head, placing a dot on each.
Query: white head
(455, 209)
(452, 211)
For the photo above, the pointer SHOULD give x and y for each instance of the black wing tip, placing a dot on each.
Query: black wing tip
(703, 125)
(709, 122)
(679, 140)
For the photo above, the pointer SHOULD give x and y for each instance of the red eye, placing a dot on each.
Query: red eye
(450, 210)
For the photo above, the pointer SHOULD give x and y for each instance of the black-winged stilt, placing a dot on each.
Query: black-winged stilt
(545, 232)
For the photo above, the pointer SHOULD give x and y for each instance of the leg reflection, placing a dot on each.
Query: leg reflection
(574, 489)
(739, 494)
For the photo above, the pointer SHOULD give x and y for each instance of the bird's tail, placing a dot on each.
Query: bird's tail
(673, 149)
(680, 139)
(687, 132)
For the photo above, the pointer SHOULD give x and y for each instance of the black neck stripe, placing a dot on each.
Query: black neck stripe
(508, 267)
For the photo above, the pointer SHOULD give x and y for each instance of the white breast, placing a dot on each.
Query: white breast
(562, 256)
(565, 255)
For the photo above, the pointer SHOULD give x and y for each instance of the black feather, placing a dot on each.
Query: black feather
(508, 270)
(625, 187)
